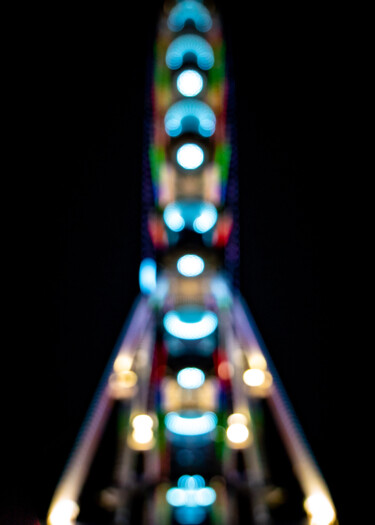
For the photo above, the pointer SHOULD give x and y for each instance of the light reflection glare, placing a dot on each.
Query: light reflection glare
(64, 512)
(320, 509)
(254, 377)
(190, 325)
(190, 156)
(190, 378)
(190, 425)
(189, 83)
(190, 265)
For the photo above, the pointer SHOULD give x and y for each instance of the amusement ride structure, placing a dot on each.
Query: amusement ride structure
(190, 384)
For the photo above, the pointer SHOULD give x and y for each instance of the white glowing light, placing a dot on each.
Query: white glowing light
(237, 433)
(237, 418)
(190, 425)
(190, 156)
(254, 377)
(320, 509)
(191, 492)
(189, 83)
(147, 276)
(173, 219)
(190, 265)
(176, 325)
(143, 435)
(63, 513)
(190, 378)
(206, 220)
(143, 421)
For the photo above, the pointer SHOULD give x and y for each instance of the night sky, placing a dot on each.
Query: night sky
(77, 189)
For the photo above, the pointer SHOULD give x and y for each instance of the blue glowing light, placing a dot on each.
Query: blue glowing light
(190, 116)
(190, 425)
(172, 218)
(190, 378)
(190, 156)
(189, 44)
(189, 10)
(190, 324)
(206, 220)
(147, 276)
(190, 265)
(180, 214)
(190, 515)
(189, 83)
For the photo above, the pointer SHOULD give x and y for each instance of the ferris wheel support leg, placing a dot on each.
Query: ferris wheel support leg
(64, 503)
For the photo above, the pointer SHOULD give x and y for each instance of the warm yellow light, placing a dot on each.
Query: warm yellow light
(254, 377)
(121, 383)
(237, 418)
(143, 422)
(320, 509)
(238, 433)
(64, 512)
(123, 363)
(143, 435)
(256, 360)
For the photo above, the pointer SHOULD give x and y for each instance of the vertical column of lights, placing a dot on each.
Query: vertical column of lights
(190, 125)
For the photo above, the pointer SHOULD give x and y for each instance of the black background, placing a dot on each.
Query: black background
(76, 174)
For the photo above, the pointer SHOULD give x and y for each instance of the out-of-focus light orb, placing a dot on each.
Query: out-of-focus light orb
(121, 384)
(225, 370)
(254, 377)
(175, 497)
(190, 10)
(190, 44)
(172, 218)
(206, 220)
(190, 116)
(237, 418)
(143, 421)
(190, 378)
(123, 362)
(205, 496)
(64, 512)
(191, 482)
(143, 436)
(189, 83)
(187, 425)
(237, 433)
(190, 325)
(147, 276)
(190, 265)
(320, 509)
(257, 360)
(190, 156)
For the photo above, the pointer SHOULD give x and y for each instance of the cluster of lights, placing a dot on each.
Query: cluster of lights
(238, 433)
(142, 436)
(198, 216)
(257, 377)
